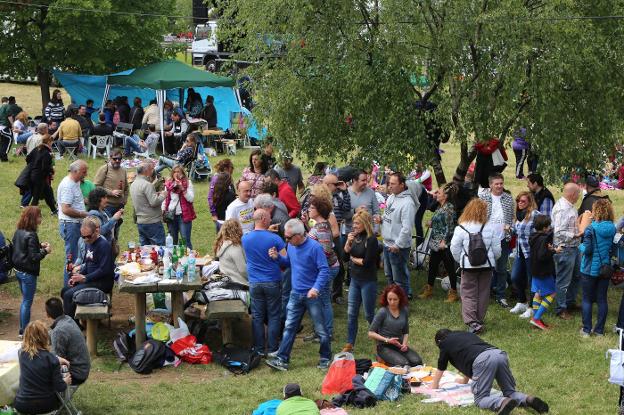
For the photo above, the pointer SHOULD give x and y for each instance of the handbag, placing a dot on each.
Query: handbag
(90, 296)
(169, 215)
(606, 270)
(339, 375)
(616, 364)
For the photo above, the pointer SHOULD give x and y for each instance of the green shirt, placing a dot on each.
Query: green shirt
(86, 187)
(297, 405)
(4, 115)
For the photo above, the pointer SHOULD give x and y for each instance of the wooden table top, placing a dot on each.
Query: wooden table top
(159, 286)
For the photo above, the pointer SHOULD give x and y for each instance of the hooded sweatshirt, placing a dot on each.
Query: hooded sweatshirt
(398, 220)
(541, 258)
(596, 247)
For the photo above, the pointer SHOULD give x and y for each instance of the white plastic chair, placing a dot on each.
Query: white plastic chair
(101, 142)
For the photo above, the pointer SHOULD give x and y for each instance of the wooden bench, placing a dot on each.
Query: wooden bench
(93, 315)
(226, 311)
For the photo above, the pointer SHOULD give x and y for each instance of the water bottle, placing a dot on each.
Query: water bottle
(191, 268)
(179, 272)
(169, 242)
(166, 267)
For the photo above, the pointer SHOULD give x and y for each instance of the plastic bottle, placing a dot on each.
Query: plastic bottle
(169, 242)
(166, 267)
(191, 272)
(183, 245)
(180, 273)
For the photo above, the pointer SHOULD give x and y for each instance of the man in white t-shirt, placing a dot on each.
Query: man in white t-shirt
(71, 210)
(242, 208)
(500, 213)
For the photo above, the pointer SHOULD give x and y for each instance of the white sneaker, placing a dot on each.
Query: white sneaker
(528, 313)
(518, 308)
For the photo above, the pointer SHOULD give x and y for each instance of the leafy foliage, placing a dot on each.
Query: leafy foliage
(335, 78)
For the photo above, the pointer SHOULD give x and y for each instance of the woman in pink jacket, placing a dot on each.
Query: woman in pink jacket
(179, 201)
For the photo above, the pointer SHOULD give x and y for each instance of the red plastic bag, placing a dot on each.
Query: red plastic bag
(190, 351)
(340, 374)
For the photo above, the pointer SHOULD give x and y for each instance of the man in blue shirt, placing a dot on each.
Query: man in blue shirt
(310, 273)
(265, 282)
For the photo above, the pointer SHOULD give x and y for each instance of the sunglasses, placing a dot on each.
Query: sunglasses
(522, 201)
(87, 236)
(116, 158)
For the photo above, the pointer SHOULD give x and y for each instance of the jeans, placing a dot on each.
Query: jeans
(567, 271)
(521, 276)
(151, 233)
(266, 302)
(26, 198)
(70, 233)
(110, 211)
(620, 320)
(360, 292)
(286, 288)
(184, 228)
(501, 271)
(28, 286)
(62, 144)
(594, 290)
(298, 303)
(131, 143)
(164, 162)
(396, 268)
(326, 299)
(23, 137)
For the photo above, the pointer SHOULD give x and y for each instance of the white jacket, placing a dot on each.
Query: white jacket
(461, 238)
(398, 220)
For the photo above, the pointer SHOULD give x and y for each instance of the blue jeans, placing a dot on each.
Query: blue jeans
(185, 228)
(70, 233)
(28, 286)
(360, 292)
(567, 272)
(110, 211)
(298, 303)
(164, 162)
(286, 287)
(26, 198)
(396, 268)
(131, 143)
(501, 271)
(266, 304)
(326, 296)
(521, 276)
(594, 290)
(151, 233)
(23, 137)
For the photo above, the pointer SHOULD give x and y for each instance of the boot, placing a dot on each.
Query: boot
(452, 296)
(348, 348)
(427, 292)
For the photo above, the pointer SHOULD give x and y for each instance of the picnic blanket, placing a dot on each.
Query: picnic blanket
(450, 392)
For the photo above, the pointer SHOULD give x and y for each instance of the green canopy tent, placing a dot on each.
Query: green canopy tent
(169, 74)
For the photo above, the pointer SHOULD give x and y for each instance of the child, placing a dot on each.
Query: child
(542, 269)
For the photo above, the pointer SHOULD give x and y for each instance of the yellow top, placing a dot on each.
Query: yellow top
(70, 130)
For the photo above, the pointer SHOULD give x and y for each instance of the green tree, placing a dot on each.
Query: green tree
(81, 35)
(342, 87)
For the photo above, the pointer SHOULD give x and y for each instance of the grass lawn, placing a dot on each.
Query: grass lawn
(568, 372)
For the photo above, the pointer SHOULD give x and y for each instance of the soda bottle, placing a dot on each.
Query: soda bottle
(191, 272)
(154, 256)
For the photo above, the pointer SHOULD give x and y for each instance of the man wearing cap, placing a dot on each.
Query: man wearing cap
(291, 173)
(295, 403)
(285, 193)
(174, 138)
(592, 186)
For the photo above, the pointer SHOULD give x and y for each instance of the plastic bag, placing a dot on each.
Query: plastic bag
(181, 332)
(192, 352)
(339, 375)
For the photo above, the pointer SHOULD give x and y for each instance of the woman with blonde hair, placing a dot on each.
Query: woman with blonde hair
(526, 211)
(476, 264)
(229, 251)
(40, 373)
(596, 250)
(361, 250)
(20, 128)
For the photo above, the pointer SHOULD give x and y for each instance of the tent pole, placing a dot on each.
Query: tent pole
(160, 100)
(105, 97)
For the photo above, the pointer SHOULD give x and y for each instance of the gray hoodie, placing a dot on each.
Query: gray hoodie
(398, 220)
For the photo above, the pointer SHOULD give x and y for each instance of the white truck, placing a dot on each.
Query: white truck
(205, 49)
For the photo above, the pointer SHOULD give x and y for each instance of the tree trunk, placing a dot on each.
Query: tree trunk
(44, 79)
(464, 163)
(438, 171)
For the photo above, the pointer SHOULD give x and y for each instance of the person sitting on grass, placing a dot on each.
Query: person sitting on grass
(390, 328)
(295, 403)
(135, 143)
(482, 362)
(68, 342)
(183, 156)
(542, 269)
(40, 373)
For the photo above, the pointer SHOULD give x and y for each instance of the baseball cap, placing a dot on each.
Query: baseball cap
(292, 389)
(592, 181)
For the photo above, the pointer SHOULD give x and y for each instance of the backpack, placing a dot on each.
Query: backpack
(477, 251)
(236, 359)
(149, 357)
(90, 296)
(6, 255)
(124, 346)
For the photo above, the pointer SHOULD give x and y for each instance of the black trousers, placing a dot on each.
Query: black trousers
(442, 256)
(6, 137)
(37, 406)
(393, 356)
(43, 190)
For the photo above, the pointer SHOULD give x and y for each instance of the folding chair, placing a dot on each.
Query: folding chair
(421, 253)
(124, 128)
(151, 150)
(101, 142)
(193, 172)
(67, 406)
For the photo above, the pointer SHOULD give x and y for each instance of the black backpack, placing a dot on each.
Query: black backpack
(6, 257)
(237, 360)
(477, 251)
(90, 296)
(150, 356)
(124, 346)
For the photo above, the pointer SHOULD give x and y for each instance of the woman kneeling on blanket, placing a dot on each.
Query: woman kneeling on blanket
(390, 328)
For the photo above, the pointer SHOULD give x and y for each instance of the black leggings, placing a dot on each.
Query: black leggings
(444, 256)
(37, 406)
(393, 356)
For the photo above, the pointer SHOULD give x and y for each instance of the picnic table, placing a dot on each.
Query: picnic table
(9, 374)
(163, 286)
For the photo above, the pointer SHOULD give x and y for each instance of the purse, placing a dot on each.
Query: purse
(169, 215)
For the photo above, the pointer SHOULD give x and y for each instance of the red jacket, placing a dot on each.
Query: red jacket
(286, 194)
(188, 212)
